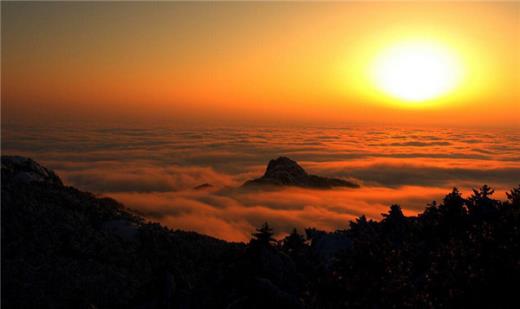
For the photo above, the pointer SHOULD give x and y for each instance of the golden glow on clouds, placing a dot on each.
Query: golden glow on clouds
(416, 71)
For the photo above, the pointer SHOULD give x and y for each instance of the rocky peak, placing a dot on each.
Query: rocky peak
(18, 169)
(286, 172)
(284, 169)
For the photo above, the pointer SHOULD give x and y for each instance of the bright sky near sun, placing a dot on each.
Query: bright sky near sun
(415, 72)
(410, 62)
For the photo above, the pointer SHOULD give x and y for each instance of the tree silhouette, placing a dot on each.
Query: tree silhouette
(395, 216)
(514, 197)
(294, 242)
(453, 203)
(362, 228)
(452, 213)
(263, 235)
(480, 202)
(394, 225)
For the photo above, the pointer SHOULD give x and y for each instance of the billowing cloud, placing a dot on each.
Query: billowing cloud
(154, 171)
(127, 177)
(233, 215)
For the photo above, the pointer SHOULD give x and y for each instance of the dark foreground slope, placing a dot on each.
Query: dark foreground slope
(64, 248)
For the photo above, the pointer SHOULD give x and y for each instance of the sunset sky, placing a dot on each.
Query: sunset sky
(143, 102)
(260, 62)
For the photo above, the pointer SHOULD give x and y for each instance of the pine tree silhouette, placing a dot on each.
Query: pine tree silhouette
(514, 197)
(263, 235)
(294, 242)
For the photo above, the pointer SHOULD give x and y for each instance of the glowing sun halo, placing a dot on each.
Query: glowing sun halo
(415, 72)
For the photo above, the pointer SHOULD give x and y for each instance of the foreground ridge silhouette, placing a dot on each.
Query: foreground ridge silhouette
(64, 248)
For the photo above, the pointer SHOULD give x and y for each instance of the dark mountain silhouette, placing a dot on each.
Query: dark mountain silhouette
(18, 169)
(64, 248)
(286, 172)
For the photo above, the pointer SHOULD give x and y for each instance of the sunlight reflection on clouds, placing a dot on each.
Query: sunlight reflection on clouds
(155, 170)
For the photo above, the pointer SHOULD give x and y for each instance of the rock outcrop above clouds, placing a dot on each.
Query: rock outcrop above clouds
(286, 172)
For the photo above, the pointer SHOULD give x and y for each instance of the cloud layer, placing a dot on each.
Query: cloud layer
(154, 170)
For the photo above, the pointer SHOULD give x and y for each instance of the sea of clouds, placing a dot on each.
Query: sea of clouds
(154, 170)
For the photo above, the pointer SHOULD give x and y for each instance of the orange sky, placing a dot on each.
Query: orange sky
(290, 62)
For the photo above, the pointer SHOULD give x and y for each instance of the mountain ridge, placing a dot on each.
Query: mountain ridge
(63, 248)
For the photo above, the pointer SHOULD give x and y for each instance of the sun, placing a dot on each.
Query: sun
(416, 72)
